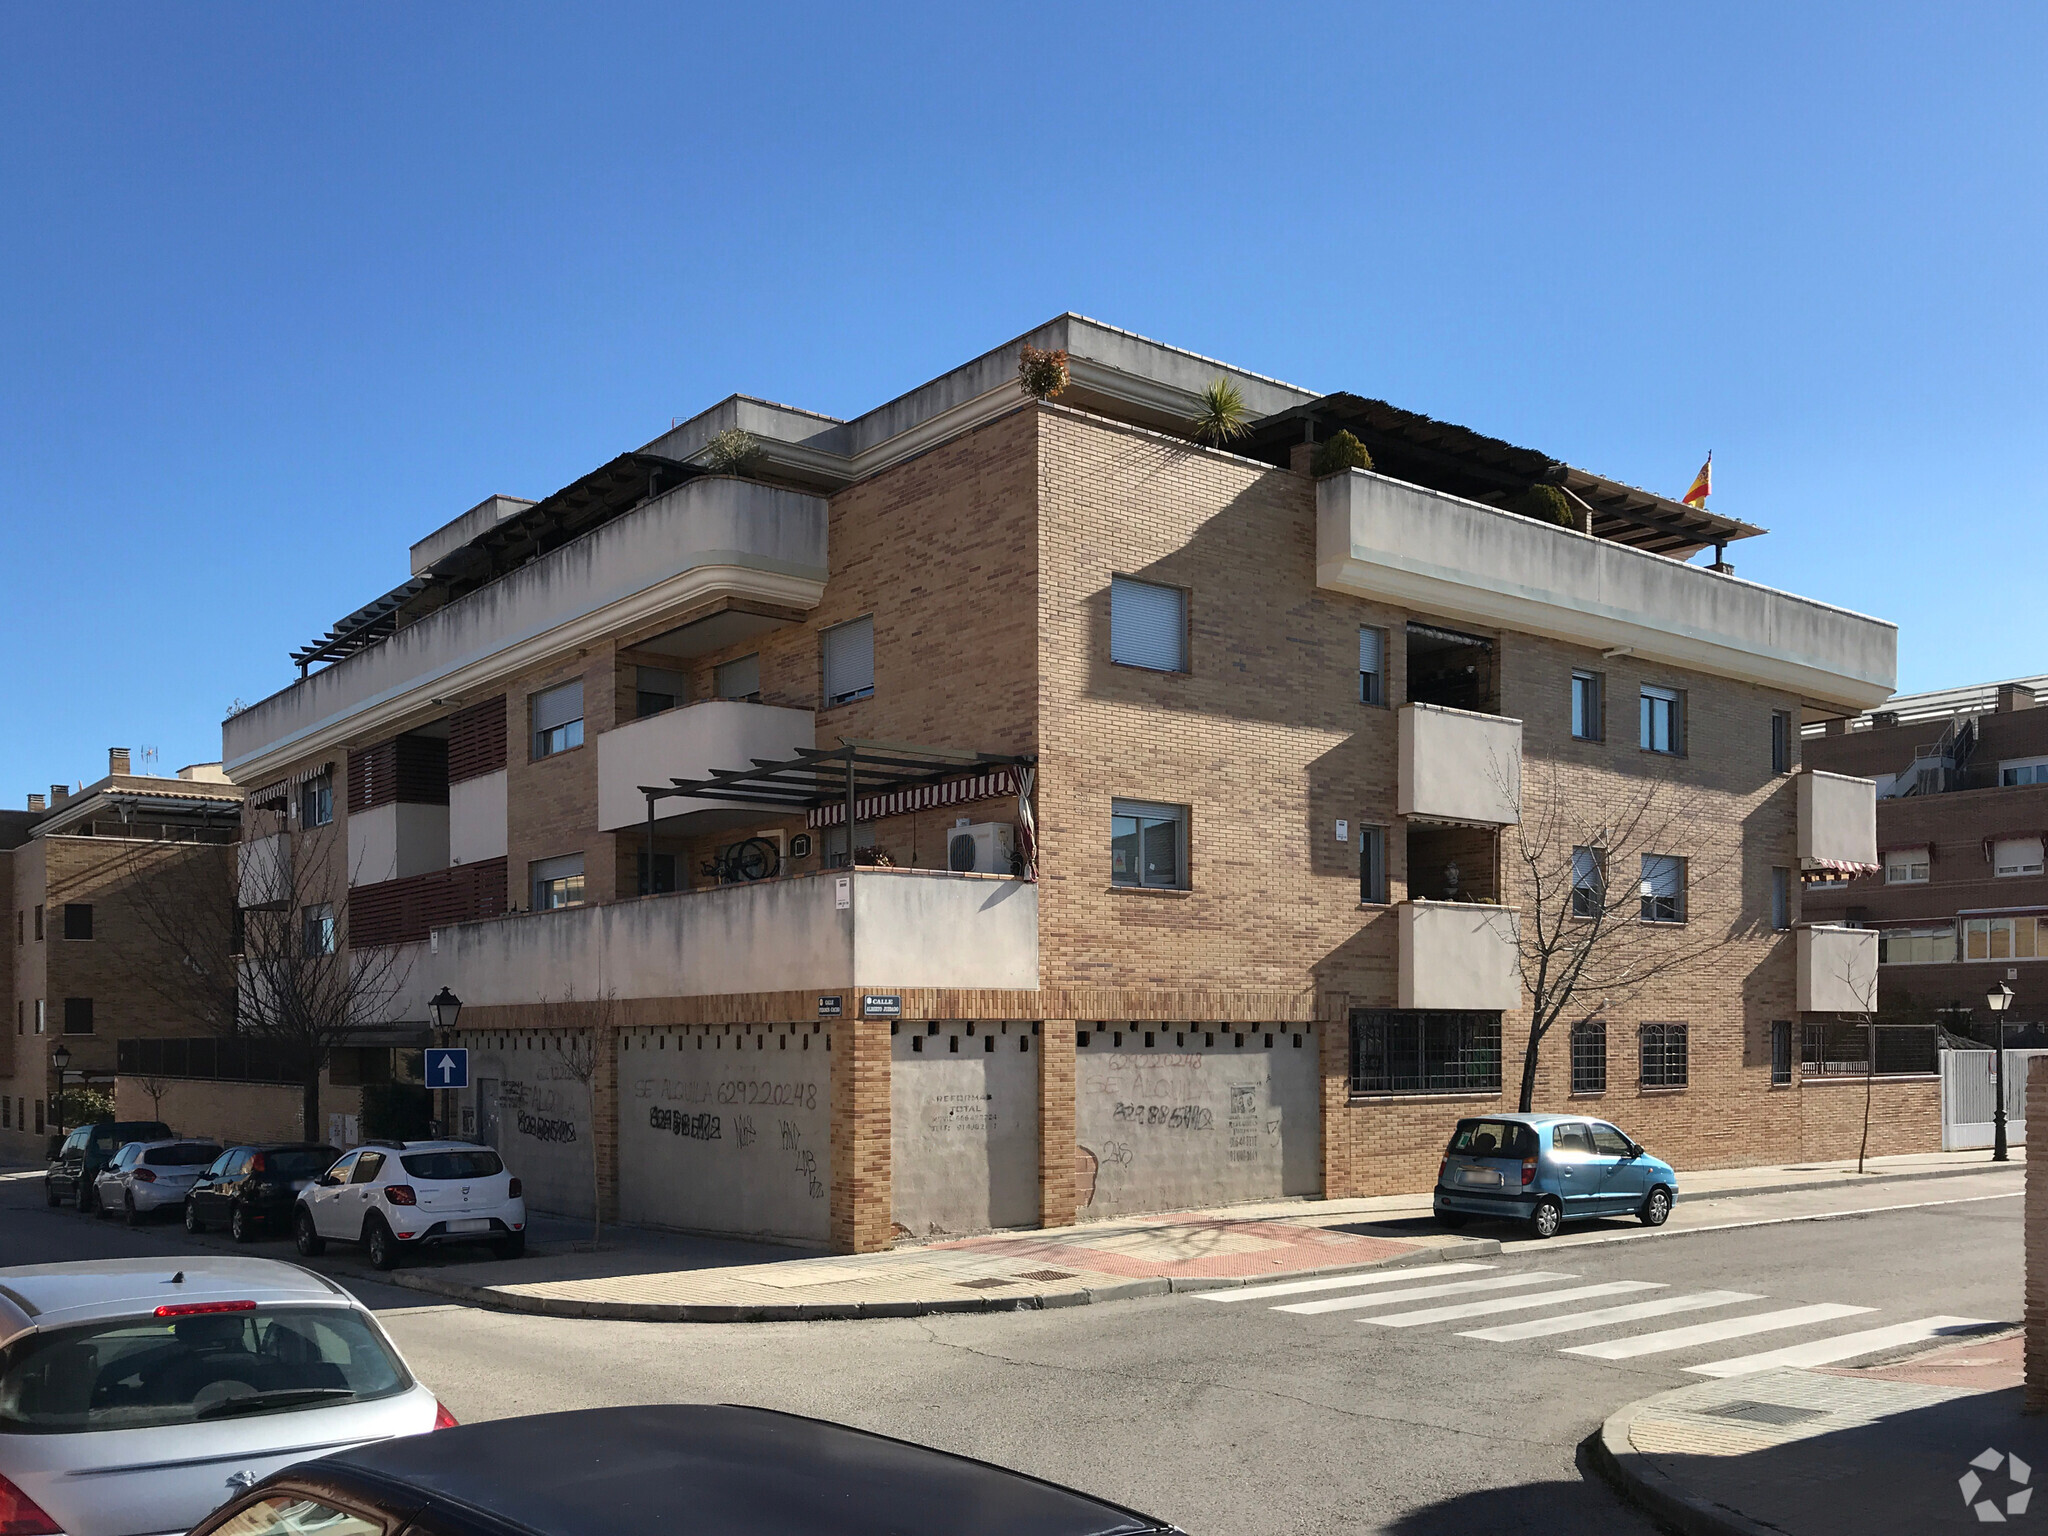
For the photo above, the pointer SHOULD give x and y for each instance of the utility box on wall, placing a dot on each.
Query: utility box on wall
(982, 848)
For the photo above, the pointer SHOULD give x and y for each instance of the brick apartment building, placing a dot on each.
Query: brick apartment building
(1960, 903)
(77, 943)
(1041, 816)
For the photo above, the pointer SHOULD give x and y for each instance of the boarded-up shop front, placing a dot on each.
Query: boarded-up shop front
(526, 1101)
(963, 1122)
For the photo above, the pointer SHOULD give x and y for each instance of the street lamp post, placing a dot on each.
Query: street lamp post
(1998, 999)
(60, 1058)
(446, 1008)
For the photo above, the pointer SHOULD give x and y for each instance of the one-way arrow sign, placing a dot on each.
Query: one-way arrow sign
(447, 1067)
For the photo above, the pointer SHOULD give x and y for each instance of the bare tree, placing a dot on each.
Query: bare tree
(1589, 939)
(576, 1033)
(156, 1087)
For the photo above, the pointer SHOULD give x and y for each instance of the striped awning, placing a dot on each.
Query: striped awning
(920, 797)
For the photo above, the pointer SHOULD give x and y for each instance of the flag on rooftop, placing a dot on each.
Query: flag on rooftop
(1702, 484)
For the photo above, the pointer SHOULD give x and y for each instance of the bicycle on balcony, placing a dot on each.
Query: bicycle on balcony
(754, 859)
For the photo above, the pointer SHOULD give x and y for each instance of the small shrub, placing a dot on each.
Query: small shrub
(85, 1106)
(1335, 455)
(1220, 414)
(731, 452)
(1548, 504)
(1043, 374)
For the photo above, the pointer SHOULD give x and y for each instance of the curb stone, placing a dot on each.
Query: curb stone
(1639, 1480)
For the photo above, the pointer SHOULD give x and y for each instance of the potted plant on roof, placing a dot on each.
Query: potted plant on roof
(731, 452)
(1338, 455)
(1221, 415)
(1043, 374)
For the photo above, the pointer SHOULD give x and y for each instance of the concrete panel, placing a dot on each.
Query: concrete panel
(1457, 955)
(1837, 821)
(390, 842)
(1459, 766)
(694, 742)
(963, 1121)
(930, 929)
(1398, 543)
(727, 1132)
(1837, 970)
(476, 819)
(542, 1122)
(1184, 1124)
(263, 868)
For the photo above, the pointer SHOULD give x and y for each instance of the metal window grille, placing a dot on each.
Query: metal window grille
(1589, 1056)
(1781, 1052)
(1372, 864)
(1664, 1056)
(1411, 1052)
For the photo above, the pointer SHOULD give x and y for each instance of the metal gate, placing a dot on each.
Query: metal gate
(1969, 1091)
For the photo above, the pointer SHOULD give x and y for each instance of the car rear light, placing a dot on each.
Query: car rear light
(1528, 1171)
(443, 1419)
(514, 1190)
(144, 1176)
(197, 1308)
(261, 1164)
(20, 1515)
(400, 1194)
(1443, 1168)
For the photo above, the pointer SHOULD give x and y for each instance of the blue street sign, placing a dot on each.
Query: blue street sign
(447, 1067)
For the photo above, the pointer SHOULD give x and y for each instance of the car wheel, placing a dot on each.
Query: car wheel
(512, 1247)
(1451, 1219)
(310, 1243)
(132, 1215)
(86, 1202)
(50, 1196)
(193, 1224)
(1546, 1218)
(382, 1245)
(240, 1228)
(1656, 1208)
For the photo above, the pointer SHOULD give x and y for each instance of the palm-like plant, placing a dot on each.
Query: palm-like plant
(731, 452)
(1220, 414)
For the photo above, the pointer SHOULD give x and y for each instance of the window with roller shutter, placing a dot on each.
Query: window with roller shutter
(1148, 625)
(849, 661)
(1372, 665)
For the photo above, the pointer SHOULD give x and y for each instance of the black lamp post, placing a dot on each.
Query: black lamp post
(60, 1058)
(446, 1008)
(1998, 999)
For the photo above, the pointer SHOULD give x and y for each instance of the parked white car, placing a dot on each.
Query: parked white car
(150, 1176)
(138, 1395)
(392, 1196)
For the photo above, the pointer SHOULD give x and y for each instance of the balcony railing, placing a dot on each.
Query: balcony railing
(693, 742)
(406, 911)
(1461, 767)
(1458, 955)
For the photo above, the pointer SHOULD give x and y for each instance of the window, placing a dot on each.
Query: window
(2016, 856)
(317, 924)
(316, 801)
(1572, 1136)
(1372, 665)
(39, 1117)
(1994, 938)
(1407, 1052)
(1663, 888)
(557, 882)
(1905, 866)
(39, 1015)
(77, 919)
(1781, 899)
(1934, 944)
(1781, 1052)
(39, 923)
(2025, 770)
(1589, 1056)
(1148, 845)
(1148, 626)
(1663, 720)
(1781, 741)
(1586, 700)
(77, 1015)
(1609, 1142)
(558, 719)
(656, 689)
(849, 661)
(664, 873)
(1372, 864)
(1664, 1064)
(738, 679)
(1588, 899)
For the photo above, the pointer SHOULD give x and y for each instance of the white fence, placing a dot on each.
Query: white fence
(1969, 1092)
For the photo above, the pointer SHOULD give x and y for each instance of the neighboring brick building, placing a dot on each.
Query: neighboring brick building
(1961, 902)
(77, 945)
(1240, 754)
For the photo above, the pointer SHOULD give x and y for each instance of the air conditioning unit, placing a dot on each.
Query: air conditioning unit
(981, 847)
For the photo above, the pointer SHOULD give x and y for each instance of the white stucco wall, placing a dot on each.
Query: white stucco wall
(694, 742)
(963, 1123)
(727, 1130)
(1184, 1124)
(1459, 766)
(391, 842)
(1837, 970)
(1837, 820)
(476, 819)
(1458, 954)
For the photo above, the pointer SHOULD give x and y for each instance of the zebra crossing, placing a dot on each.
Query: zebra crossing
(1417, 1298)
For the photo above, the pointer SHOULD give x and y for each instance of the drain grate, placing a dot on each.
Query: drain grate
(1765, 1413)
(985, 1283)
(1045, 1274)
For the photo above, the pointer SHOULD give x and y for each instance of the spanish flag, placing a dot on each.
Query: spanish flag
(1702, 485)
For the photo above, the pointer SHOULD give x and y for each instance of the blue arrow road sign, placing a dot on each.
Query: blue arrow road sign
(447, 1067)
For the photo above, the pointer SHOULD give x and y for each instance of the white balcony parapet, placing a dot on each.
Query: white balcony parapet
(693, 742)
(709, 538)
(898, 928)
(1459, 955)
(1384, 539)
(1457, 766)
(263, 869)
(1837, 969)
(1837, 822)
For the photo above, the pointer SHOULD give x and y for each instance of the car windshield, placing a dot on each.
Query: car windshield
(145, 1372)
(123, 1132)
(1493, 1138)
(191, 1154)
(300, 1162)
(479, 1164)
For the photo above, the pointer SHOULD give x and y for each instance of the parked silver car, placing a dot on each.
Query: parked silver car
(137, 1396)
(150, 1176)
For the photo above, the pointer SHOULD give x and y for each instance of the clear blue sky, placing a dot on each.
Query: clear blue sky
(284, 287)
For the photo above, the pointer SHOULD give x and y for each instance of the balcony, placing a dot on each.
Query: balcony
(693, 742)
(1459, 767)
(838, 932)
(1837, 822)
(1837, 970)
(1393, 542)
(1459, 955)
(263, 868)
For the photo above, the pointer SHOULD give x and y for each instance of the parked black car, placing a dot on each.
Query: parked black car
(77, 1163)
(710, 1471)
(253, 1187)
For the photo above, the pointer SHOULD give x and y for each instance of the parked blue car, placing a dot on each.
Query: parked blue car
(1547, 1170)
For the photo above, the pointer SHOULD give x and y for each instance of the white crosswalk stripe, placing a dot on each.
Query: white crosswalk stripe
(1635, 1311)
(1417, 1293)
(1713, 1333)
(1332, 1283)
(1511, 1304)
(1845, 1346)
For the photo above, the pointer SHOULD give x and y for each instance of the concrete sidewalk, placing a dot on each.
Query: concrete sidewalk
(663, 1277)
(1936, 1442)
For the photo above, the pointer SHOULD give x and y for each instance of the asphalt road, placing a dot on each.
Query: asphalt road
(1236, 1417)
